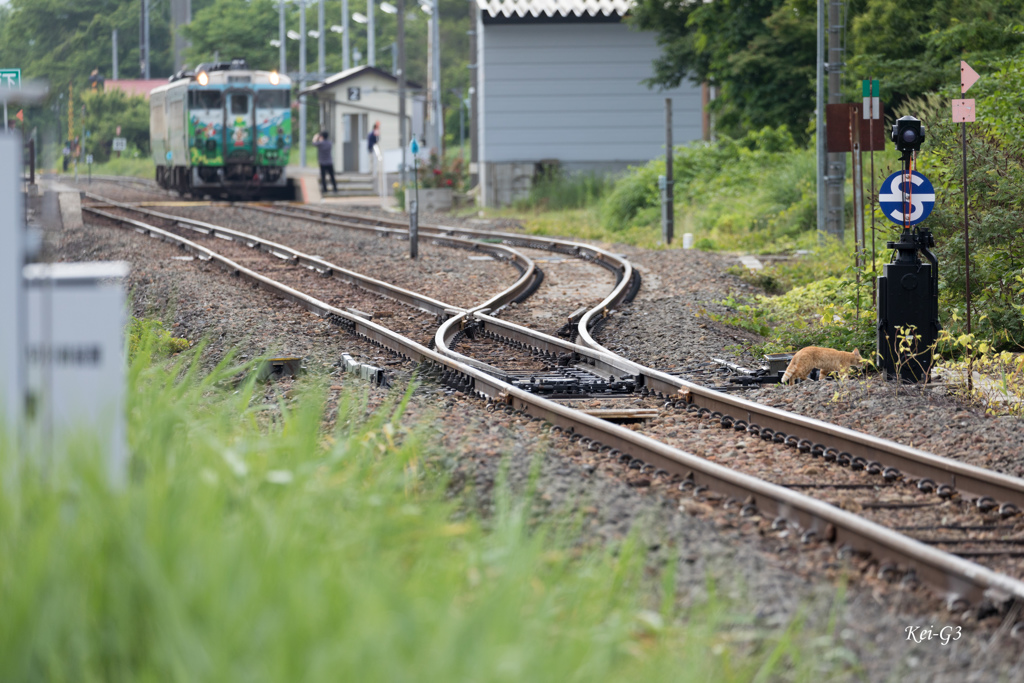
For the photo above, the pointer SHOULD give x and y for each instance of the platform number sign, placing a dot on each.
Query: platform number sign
(354, 94)
(906, 203)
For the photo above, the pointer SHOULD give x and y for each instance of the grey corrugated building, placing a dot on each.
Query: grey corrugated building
(561, 81)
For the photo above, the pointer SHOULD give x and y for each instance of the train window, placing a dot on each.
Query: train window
(272, 99)
(204, 99)
(239, 104)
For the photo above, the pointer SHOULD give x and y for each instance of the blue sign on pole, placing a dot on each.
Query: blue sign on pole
(906, 203)
(414, 147)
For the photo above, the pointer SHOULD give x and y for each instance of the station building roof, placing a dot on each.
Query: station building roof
(349, 75)
(537, 9)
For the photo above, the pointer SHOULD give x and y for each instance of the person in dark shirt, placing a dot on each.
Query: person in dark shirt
(323, 155)
(372, 140)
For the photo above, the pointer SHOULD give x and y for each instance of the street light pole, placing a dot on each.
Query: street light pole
(321, 57)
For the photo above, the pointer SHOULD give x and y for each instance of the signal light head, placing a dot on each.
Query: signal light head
(908, 134)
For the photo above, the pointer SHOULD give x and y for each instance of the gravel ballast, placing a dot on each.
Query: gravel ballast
(665, 328)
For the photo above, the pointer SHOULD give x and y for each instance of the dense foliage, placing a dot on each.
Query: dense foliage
(104, 112)
(749, 193)
(761, 53)
(995, 182)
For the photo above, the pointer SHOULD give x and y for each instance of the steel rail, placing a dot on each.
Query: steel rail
(954, 578)
(528, 277)
(913, 463)
(627, 281)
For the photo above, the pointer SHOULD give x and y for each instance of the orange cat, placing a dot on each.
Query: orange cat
(826, 360)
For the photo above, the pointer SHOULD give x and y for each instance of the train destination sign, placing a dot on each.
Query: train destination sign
(895, 196)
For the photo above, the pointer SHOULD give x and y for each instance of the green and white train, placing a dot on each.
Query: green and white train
(222, 129)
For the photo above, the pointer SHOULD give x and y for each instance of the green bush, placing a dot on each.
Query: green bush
(104, 112)
(995, 181)
(816, 305)
(143, 331)
(753, 193)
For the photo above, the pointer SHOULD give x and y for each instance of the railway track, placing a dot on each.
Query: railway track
(856, 462)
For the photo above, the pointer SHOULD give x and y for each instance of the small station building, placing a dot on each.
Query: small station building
(351, 101)
(560, 83)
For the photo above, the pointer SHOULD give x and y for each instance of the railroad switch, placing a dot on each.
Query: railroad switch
(279, 368)
(572, 382)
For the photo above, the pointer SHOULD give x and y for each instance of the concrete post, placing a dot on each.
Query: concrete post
(12, 311)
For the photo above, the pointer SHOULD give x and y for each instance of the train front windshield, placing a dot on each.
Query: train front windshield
(205, 127)
(273, 124)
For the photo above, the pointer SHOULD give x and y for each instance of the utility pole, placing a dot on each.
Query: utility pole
(345, 63)
(302, 83)
(436, 56)
(283, 68)
(822, 165)
(428, 134)
(473, 134)
(181, 14)
(371, 45)
(113, 41)
(668, 218)
(836, 180)
(144, 39)
(400, 70)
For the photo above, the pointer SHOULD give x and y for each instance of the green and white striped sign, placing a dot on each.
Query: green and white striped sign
(871, 108)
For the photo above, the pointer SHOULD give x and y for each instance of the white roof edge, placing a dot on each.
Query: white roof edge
(551, 8)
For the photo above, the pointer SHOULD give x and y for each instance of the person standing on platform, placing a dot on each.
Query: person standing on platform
(324, 148)
(372, 140)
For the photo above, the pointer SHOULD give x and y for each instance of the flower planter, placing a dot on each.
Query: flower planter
(432, 199)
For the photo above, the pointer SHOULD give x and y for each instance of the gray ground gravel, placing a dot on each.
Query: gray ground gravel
(772, 576)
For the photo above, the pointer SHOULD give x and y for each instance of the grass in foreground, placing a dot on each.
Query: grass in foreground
(249, 546)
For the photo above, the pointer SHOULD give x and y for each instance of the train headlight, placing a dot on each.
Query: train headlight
(275, 78)
(203, 78)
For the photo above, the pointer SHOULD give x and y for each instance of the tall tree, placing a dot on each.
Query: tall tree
(758, 53)
(64, 40)
(915, 46)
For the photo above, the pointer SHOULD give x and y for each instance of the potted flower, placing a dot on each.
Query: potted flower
(437, 180)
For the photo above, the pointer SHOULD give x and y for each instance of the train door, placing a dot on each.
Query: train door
(239, 126)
